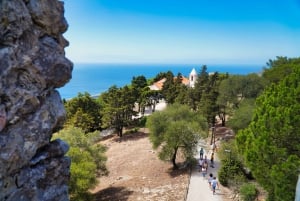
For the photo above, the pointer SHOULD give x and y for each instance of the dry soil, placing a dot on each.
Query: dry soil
(136, 172)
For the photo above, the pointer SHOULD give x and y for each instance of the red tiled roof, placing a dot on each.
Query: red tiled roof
(159, 84)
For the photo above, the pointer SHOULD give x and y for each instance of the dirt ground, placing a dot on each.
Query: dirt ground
(136, 173)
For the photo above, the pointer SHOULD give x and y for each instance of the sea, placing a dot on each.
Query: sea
(98, 78)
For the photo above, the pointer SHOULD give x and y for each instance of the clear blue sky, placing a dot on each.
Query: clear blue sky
(182, 31)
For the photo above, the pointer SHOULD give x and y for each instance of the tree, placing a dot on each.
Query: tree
(279, 68)
(169, 88)
(208, 102)
(272, 141)
(88, 161)
(138, 84)
(176, 129)
(118, 107)
(237, 88)
(150, 98)
(84, 112)
(198, 90)
(242, 116)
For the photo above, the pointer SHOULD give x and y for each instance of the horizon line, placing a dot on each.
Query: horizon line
(188, 64)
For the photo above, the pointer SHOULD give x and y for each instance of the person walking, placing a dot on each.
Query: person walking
(214, 185)
(204, 170)
(210, 178)
(201, 153)
(201, 162)
(212, 160)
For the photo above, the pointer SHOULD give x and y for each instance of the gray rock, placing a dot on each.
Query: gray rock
(32, 66)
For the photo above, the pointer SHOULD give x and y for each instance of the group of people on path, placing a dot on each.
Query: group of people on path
(203, 162)
(203, 167)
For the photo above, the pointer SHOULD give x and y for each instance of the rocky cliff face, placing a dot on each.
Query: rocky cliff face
(32, 66)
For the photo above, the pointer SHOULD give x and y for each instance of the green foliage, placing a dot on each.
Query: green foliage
(142, 122)
(280, 68)
(199, 89)
(231, 172)
(138, 84)
(169, 88)
(248, 192)
(84, 112)
(118, 107)
(242, 116)
(203, 97)
(238, 87)
(272, 141)
(149, 98)
(87, 159)
(83, 170)
(175, 129)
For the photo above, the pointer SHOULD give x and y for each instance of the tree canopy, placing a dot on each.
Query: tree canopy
(118, 105)
(175, 129)
(84, 112)
(272, 141)
(279, 68)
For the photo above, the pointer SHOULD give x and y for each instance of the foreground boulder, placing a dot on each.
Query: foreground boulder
(32, 66)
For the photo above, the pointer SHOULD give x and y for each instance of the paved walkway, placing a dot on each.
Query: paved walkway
(199, 189)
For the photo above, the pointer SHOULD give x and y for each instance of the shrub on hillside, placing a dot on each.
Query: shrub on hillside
(248, 192)
(88, 161)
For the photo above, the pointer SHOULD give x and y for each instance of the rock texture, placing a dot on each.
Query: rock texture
(32, 66)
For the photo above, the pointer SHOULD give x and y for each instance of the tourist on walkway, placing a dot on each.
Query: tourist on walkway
(214, 185)
(201, 162)
(201, 153)
(212, 160)
(210, 178)
(205, 159)
(204, 170)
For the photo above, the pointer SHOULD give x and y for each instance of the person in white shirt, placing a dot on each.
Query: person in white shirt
(201, 161)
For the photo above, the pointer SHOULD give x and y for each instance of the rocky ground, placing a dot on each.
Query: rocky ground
(136, 173)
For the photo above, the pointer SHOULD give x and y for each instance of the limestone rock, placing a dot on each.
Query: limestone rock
(32, 66)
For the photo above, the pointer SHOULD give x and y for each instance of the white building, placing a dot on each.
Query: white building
(192, 78)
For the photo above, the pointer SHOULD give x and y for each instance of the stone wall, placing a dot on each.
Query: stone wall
(32, 66)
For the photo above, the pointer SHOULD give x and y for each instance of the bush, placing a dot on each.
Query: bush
(222, 176)
(142, 121)
(248, 192)
(88, 161)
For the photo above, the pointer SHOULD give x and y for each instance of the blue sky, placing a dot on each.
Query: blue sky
(182, 31)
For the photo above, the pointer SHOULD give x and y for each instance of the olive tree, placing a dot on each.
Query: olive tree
(175, 129)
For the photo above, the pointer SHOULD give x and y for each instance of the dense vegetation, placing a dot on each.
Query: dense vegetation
(262, 109)
(272, 140)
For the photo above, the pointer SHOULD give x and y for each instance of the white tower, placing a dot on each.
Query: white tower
(192, 78)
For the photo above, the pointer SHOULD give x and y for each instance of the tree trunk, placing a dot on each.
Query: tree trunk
(174, 158)
(153, 106)
(223, 122)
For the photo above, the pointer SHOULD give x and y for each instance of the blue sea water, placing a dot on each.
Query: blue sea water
(97, 78)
